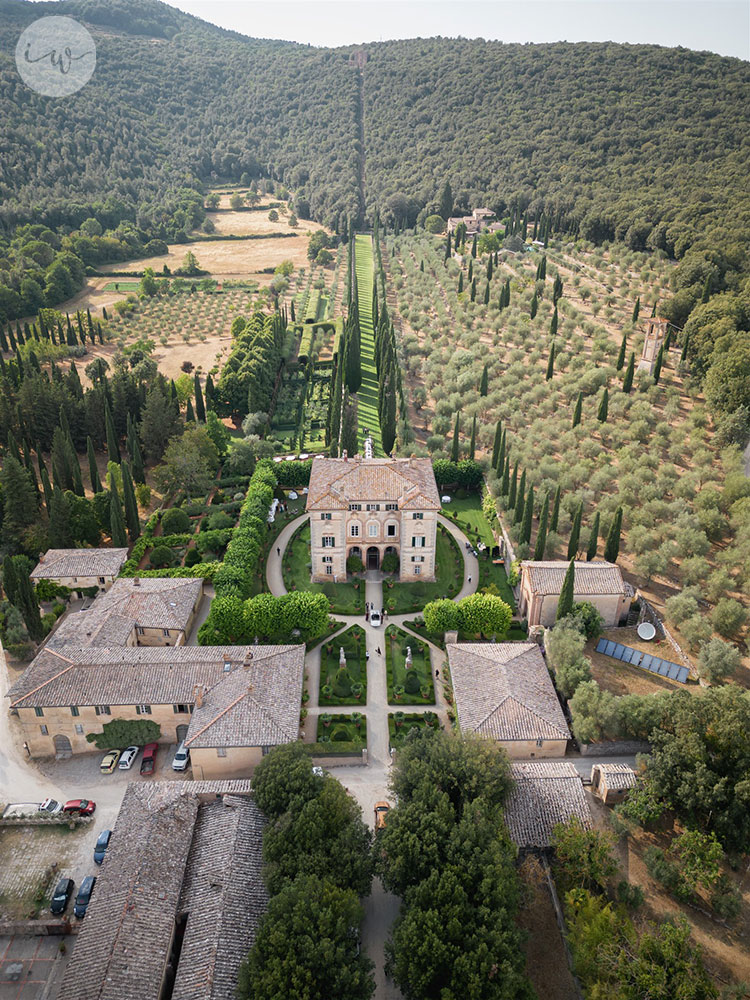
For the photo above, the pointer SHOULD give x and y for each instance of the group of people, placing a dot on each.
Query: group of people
(369, 608)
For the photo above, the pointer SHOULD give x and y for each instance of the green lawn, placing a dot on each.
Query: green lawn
(122, 286)
(367, 397)
(399, 728)
(418, 688)
(468, 515)
(342, 685)
(449, 572)
(345, 598)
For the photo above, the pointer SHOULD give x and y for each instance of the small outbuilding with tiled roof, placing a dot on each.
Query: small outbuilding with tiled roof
(612, 782)
(178, 900)
(543, 795)
(80, 569)
(367, 508)
(599, 583)
(503, 691)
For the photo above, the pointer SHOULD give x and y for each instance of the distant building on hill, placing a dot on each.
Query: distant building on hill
(369, 508)
(479, 220)
(599, 583)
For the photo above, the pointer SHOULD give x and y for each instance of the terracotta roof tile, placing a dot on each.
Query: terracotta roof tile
(591, 578)
(337, 482)
(57, 563)
(544, 794)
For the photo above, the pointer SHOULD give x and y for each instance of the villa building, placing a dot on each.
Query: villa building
(599, 583)
(80, 569)
(368, 508)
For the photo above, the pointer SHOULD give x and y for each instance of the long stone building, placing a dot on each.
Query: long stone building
(368, 508)
(599, 583)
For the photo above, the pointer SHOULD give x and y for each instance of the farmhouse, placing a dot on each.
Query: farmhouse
(246, 699)
(503, 691)
(542, 796)
(599, 583)
(178, 900)
(80, 569)
(135, 612)
(479, 219)
(370, 508)
(612, 782)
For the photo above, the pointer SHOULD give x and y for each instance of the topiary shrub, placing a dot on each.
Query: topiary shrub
(340, 735)
(411, 684)
(390, 563)
(354, 564)
(161, 557)
(219, 520)
(174, 521)
(342, 684)
(192, 557)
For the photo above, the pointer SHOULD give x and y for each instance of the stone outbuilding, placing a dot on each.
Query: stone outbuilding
(80, 569)
(612, 782)
(599, 583)
(503, 691)
(543, 795)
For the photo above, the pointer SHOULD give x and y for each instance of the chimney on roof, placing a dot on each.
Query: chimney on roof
(248, 658)
(136, 581)
(198, 693)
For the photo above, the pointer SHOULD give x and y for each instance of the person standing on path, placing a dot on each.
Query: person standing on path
(378, 651)
(278, 551)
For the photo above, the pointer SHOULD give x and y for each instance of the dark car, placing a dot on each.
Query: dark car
(102, 843)
(61, 895)
(83, 807)
(84, 896)
(148, 761)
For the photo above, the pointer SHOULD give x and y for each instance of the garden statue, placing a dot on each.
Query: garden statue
(342, 658)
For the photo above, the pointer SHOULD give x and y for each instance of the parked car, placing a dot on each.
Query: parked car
(148, 760)
(102, 843)
(50, 807)
(375, 619)
(84, 807)
(381, 812)
(181, 759)
(127, 757)
(84, 896)
(61, 896)
(109, 761)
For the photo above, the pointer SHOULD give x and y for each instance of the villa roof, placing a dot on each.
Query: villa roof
(543, 795)
(57, 564)
(503, 691)
(618, 777)
(337, 482)
(131, 602)
(178, 849)
(164, 675)
(591, 578)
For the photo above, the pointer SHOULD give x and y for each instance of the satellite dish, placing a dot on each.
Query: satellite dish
(445, 499)
(646, 631)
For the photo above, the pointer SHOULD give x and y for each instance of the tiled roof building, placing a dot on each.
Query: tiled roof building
(612, 782)
(178, 899)
(80, 569)
(503, 691)
(600, 583)
(543, 795)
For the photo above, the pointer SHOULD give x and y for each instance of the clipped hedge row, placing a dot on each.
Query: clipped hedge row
(146, 542)
(236, 576)
(212, 541)
(339, 748)
(293, 474)
(206, 571)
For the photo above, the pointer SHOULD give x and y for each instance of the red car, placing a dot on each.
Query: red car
(148, 761)
(84, 807)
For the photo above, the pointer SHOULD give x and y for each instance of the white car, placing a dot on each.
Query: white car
(181, 759)
(375, 619)
(127, 758)
(50, 807)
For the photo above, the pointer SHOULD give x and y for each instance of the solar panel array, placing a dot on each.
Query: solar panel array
(636, 658)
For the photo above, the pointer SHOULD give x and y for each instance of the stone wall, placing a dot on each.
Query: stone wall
(615, 748)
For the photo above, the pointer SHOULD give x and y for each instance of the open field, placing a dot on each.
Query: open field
(621, 678)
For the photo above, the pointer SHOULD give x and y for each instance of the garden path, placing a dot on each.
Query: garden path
(471, 563)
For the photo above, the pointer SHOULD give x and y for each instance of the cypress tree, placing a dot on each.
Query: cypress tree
(3, 339)
(551, 363)
(507, 292)
(460, 282)
(113, 449)
(486, 293)
(520, 496)
(565, 603)
(484, 381)
(189, 413)
(627, 382)
(543, 267)
(683, 356)
(636, 309)
(621, 355)
(209, 393)
(131, 506)
(553, 323)
(557, 289)
(603, 407)
(612, 545)
(117, 526)
(474, 246)
(46, 489)
(505, 484)
(541, 536)
(473, 441)
(454, 445)
(653, 311)
(471, 270)
(534, 305)
(136, 460)
(593, 539)
(61, 470)
(500, 464)
(293, 315)
(200, 408)
(75, 468)
(489, 269)
(658, 365)
(706, 289)
(27, 602)
(513, 487)
(498, 439)
(59, 521)
(577, 410)
(528, 512)
(473, 289)
(96, 484)
(553, 523)
(575, 533)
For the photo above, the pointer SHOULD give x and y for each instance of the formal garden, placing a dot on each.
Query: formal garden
(467, 513)
(346, 597)
(344, 682)
(401, 598)
(349, 732)
(408, 668)
(401, 724)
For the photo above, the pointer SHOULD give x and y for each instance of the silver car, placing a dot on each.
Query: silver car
(127, 758)
(181, 759)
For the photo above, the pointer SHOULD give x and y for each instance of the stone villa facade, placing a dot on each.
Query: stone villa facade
(369, 507)
(599, 583)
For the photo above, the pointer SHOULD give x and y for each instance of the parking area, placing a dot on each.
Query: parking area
(31, 968)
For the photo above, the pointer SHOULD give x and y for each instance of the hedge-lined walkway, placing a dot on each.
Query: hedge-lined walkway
(367, 397)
